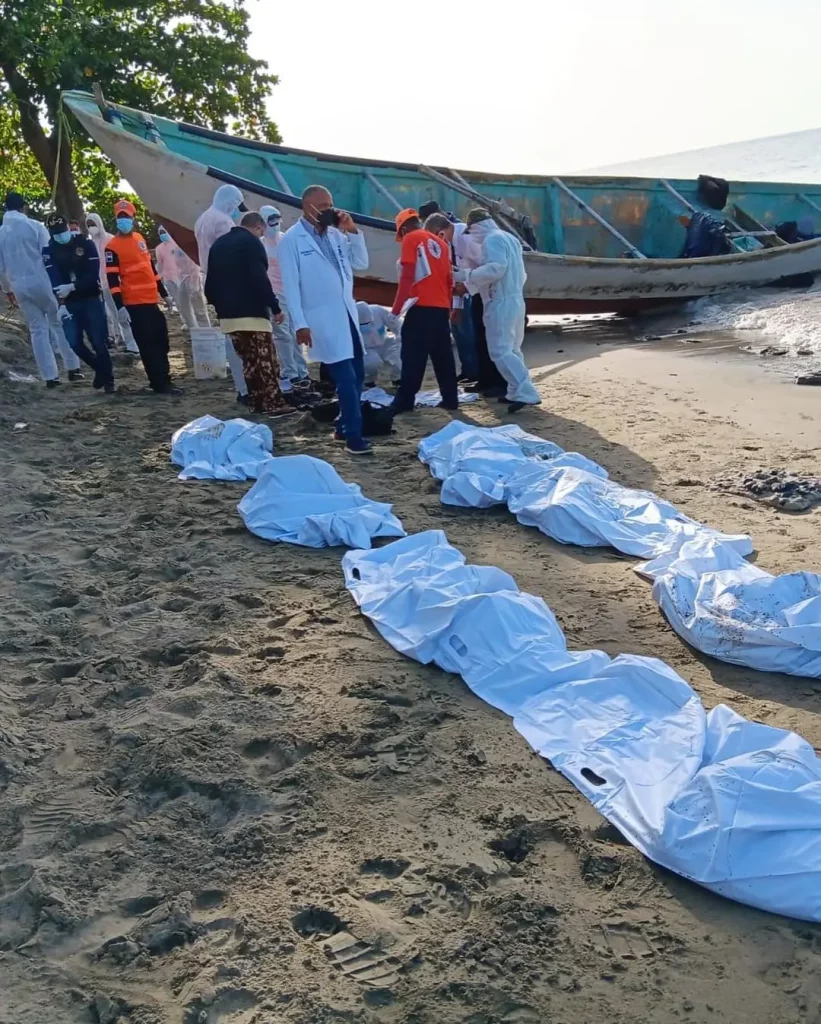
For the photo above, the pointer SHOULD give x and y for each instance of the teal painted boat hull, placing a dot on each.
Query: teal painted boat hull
(603, 244)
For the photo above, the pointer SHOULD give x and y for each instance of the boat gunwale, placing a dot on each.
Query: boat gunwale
(579, 180)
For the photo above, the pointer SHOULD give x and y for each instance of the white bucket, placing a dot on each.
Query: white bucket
(208, 353)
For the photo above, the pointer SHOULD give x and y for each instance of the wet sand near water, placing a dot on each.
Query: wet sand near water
(224, 798)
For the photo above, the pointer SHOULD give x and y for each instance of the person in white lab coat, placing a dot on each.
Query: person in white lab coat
(222, 215)
(381, 349)
(24, 278)
(500, 281)
(317, 259)
(293, 370)
(121, 333)
(182, 279)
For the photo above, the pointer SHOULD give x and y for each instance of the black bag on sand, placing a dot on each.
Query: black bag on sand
(714, 191)
(377, 421)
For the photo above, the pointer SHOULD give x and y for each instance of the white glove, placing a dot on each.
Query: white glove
(394, 323)
(62, 290)
(124, 316)
(63, 313)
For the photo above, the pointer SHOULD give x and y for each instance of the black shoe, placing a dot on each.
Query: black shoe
(465, 378)
(98, 382)
(395, 383)
(74, 375)
(169, 389)
(54, 383)
(242, 399)
(369, 384)
(451, 408)
(110, 388)
(516, 406)
(494, 392)
(396, 410)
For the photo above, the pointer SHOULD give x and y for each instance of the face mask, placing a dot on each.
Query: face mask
(235, 215)
(62, 237)
(328, 218)
(164, 237)
(125, 224)
(93, 230)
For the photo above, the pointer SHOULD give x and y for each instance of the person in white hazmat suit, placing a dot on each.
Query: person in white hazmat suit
(222, 215)
(23, 275)
(182, 279)
(293, 370)
(380, 348)
(500, 281)
(120, 332)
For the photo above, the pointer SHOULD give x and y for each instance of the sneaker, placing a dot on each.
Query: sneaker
(242, 399)
(110, 388)
(516, 406)
(74, 375)
(302, 384)
(54, 383)
(358, 446)
(465, 378)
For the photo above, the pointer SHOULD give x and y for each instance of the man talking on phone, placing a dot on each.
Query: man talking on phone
(317, 260)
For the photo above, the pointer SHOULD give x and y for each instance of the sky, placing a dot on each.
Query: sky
(537, 86)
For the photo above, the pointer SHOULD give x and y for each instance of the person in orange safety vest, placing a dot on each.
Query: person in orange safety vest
(136, 288)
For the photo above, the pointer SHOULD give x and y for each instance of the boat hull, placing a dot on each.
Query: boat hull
(176, 189)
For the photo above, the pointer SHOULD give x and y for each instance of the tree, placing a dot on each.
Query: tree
(184, 59)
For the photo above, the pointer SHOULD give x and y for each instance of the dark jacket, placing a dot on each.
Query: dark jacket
(237, 283)
(78, 263)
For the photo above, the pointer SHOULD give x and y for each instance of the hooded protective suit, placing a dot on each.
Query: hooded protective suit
(183, 280)
(214, 222)
(292, 365)
(380, 349)
(23, 272)
(500, 281)
(120, 332)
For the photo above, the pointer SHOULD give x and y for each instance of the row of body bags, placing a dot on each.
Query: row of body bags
(727, 803)
(712, 596)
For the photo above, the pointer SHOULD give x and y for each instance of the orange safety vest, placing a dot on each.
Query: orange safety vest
(130, 270)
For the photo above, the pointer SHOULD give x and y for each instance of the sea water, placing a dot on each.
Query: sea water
(769, 318)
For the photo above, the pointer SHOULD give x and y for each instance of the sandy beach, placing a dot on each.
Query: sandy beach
(224, 799)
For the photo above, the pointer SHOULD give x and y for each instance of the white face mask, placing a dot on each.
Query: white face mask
(93, 230)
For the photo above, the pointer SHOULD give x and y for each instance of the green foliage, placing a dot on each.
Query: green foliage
(185, 59)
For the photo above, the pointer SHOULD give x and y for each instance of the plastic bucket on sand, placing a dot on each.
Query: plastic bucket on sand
(208, 353)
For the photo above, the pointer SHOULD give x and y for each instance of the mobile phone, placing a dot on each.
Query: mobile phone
(328, 218)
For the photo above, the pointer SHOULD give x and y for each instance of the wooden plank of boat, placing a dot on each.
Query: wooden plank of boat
(277, 173)
(806, 199)
(599, 219)
(380, 188)
(493, 206)
(754, 226)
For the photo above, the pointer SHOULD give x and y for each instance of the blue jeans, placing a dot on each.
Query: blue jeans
(349, 376)
(88, 317)
(466, 343)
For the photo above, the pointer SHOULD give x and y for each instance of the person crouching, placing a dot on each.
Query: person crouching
(238, 287)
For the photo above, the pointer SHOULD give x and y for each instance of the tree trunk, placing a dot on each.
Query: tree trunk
(44, 147)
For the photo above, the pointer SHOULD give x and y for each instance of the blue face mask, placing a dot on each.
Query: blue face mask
(125, 224)
(62, 237)
(165, 237)
(235, 214)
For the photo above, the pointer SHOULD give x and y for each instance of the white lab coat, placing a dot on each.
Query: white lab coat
(317, 297)
(23, 272)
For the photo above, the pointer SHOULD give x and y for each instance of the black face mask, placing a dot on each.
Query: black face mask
(328, 218)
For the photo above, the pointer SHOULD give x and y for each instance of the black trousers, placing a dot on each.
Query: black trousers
(148, 324)
(489, 376)
(426, 333)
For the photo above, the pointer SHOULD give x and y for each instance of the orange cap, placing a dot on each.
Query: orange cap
(123, 206)
(402, 218)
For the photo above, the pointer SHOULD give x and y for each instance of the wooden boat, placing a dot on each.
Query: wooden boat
(601, 244)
